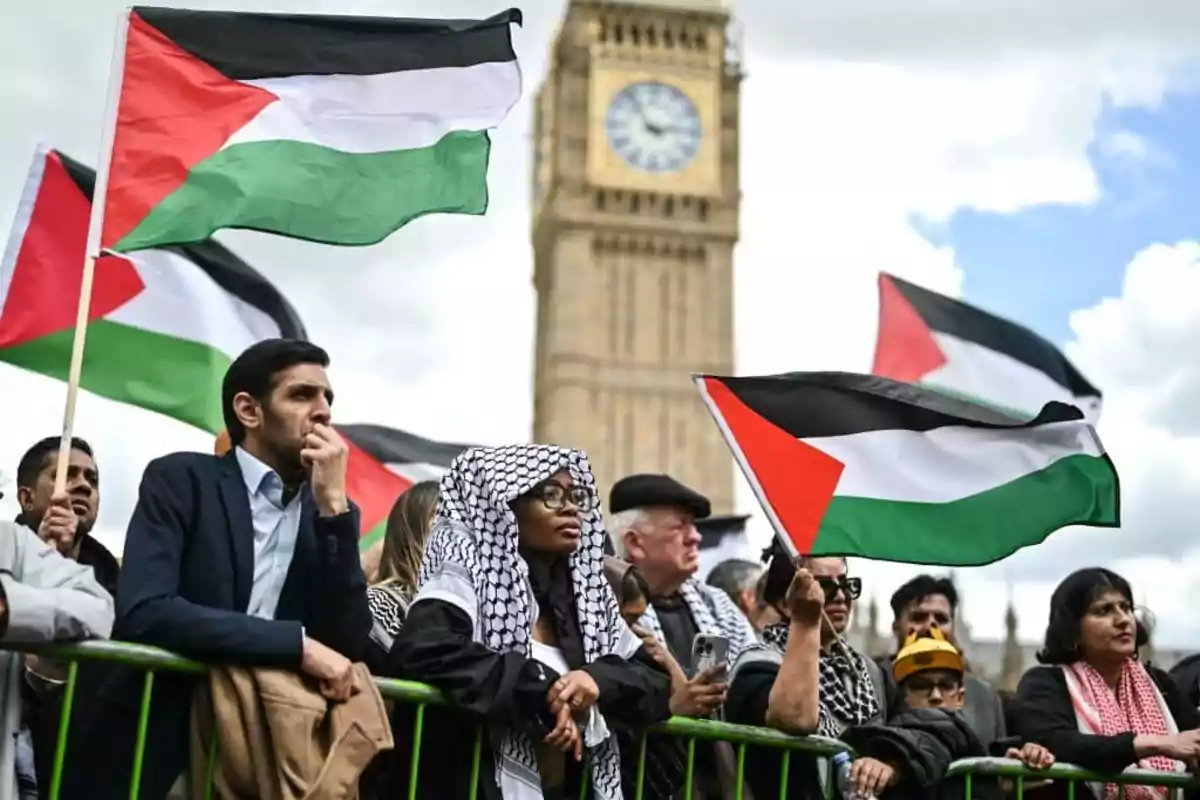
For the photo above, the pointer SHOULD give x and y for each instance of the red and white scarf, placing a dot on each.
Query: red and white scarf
(1136, 706)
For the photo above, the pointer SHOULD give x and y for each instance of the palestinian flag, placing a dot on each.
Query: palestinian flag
(332, 129)
(959, 350)
(164, 324)
(860, 465)
(383, 464)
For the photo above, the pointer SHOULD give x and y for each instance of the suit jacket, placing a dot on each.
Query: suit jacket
(184, 586)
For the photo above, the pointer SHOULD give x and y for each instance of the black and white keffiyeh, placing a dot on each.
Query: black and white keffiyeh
(714, 614)
(389, 608)
(847, 693)
(472, 562)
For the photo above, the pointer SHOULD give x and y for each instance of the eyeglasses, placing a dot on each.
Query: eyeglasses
(925, 686)
(555, 497)
(851, 587)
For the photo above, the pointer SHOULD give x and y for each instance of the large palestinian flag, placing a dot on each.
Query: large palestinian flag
(861, 465)
(959, 350)
(384, 463)
(164, 324)
(333, 129)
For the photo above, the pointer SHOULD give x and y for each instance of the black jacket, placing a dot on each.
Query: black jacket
(436, 646)
(922, 743)
(1047, 717)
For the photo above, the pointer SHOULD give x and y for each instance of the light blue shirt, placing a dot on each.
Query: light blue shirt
(275, 530)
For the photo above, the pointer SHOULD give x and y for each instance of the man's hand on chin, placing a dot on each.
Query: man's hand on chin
(325, 455)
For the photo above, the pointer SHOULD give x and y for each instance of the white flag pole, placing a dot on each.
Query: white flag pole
(92, 251)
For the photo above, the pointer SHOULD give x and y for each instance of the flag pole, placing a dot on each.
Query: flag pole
(92, 251)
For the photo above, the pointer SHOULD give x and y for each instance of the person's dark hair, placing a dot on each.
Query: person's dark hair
(1069, 603)
(256, 372)
(31, 464)
(634, 587)
(408, 527)
(733, 576)
(920, 587)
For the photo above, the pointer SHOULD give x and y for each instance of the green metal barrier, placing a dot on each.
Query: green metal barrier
(154, 660)
(1011, 770)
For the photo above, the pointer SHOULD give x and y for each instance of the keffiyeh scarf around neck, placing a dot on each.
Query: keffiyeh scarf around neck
(472, 562)
(1136, 706)
(846, 690)
(714, 614)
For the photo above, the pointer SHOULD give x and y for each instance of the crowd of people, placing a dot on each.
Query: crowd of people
(563, 631)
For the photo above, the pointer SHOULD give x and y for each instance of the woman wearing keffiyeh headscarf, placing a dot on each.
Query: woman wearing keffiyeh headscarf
(803, 678)
(515, 622)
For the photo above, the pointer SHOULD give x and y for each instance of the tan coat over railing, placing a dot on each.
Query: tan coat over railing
(279, 739)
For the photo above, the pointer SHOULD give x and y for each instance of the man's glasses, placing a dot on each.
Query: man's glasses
(556, 496)
(925, 686)
(851, 587)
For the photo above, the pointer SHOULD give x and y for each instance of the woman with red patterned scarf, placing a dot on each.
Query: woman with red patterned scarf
(1093, 703)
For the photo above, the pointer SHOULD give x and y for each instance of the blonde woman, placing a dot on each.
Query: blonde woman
(395, 583)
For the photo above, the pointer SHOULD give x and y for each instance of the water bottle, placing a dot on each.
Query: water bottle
(841, 776)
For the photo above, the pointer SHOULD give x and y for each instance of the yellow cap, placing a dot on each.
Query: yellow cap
(928, 652)
(222, 444)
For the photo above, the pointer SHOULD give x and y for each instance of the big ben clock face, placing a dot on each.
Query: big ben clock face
(654, 127)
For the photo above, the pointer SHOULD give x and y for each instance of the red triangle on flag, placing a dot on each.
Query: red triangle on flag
(905, 349)
(47, 272)
(372, 486)
(795, 479)
(174, 111)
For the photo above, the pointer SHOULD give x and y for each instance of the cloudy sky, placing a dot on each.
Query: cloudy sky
(1038, 159)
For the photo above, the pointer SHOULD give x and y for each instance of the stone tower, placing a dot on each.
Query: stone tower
(635, 215)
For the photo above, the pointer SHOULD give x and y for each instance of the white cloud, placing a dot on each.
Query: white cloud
(856, 121)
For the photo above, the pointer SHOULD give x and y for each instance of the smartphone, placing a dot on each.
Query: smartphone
(708, 651)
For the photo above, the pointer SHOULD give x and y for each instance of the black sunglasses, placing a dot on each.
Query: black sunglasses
(851, 587)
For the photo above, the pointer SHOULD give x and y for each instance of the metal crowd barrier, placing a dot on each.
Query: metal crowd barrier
(968, 769)
(154, 660)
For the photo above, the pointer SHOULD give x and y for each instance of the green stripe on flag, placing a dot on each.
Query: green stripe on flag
(976, 530)
(178, 378)
(372, 536)
(308, 191)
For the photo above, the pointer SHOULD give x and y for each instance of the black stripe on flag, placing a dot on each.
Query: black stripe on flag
(811, 405)
(218, 262)
(245, 46)
(393, 446)
(954, 318)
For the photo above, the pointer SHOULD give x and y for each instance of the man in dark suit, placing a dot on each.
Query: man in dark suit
(249, 558)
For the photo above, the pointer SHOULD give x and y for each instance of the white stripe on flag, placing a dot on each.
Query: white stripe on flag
(386, 112)
(947, 464)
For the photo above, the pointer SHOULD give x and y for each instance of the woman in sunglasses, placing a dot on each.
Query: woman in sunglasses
(803, 677)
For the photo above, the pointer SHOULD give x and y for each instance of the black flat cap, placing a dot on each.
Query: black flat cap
(641, 491)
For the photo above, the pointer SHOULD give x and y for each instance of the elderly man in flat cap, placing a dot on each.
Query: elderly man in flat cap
(652, 523)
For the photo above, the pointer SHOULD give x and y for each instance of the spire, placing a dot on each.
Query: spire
(1145, 619)
(1013, 662)
(872, 643)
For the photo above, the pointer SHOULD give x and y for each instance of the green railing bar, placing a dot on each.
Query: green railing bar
(154, 658)
(1011, 768)
(64, 724)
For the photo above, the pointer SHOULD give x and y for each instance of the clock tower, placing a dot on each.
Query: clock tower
(635, 216)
